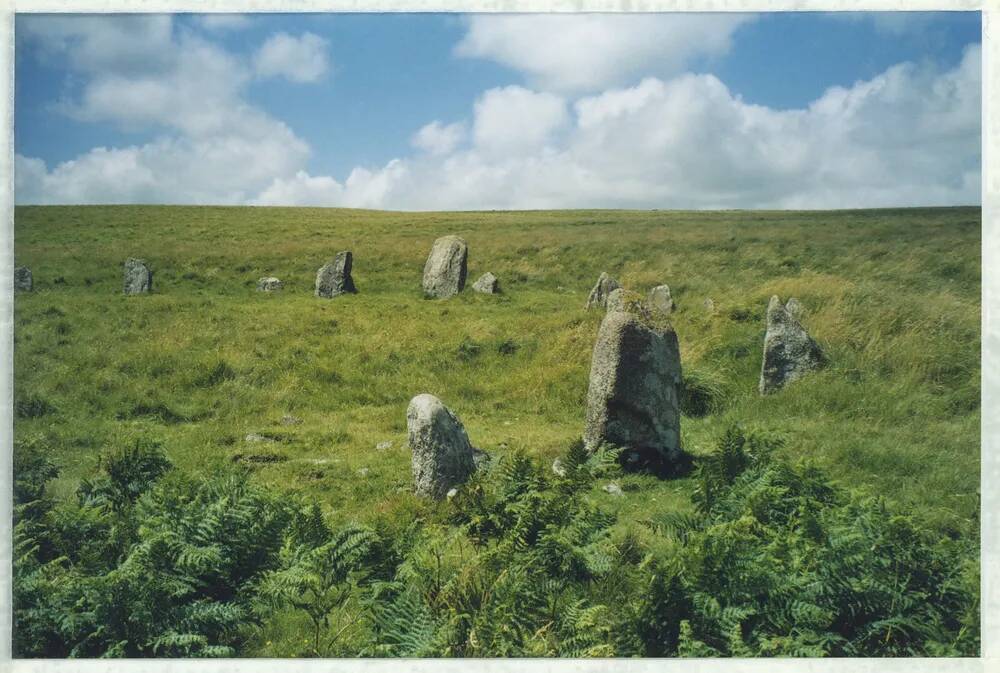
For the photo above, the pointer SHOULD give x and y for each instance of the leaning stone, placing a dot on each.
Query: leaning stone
(334, 277)
(794, 308)
(22, 279)
(442, 455)
(660, 300)
(599, 294)
(269, 284)
(138, 277)
(487, 284)
(789, 352)
(446, 267)
(635, 380)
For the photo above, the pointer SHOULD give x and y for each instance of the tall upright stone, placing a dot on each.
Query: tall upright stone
(660, 300)
(442, 456)
(334, 277)
(599, 294)
(138, 276)
(446, 267)
(635, 381)
(789, 352)
(22, 279)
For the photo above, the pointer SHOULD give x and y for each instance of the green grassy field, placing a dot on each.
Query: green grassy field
(893, 296)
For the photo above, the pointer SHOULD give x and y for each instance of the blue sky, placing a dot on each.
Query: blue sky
(427, 111)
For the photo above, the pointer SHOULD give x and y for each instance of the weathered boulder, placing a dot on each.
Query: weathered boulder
(635, 382)
(599, 294)
(442, 455)
(789, 351)
(22, 279)
(660, 300)
(446, 267)
(269, 284)
(334, 277)
(138, 277)
(487, 284)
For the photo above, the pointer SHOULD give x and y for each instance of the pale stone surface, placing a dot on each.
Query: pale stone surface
(627, 301)
(634, 397)
(709, 305)
(660, 300)
(795, 308)
(446, 267)
(599, 294)
(487, 284)
(269, 284)
(614, 489)
(288, 419)
(334, 277)
(138, 277)
(383, 446)
(442, 455)
(558, 468)
(22, 279)
(789, 352)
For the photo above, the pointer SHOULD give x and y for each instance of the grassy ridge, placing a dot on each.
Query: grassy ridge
(892, 295)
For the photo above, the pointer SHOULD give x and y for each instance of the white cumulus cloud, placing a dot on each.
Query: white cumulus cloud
(211, 145)
(910, 136)
(588, 52)
(437, 138)
(299, 59)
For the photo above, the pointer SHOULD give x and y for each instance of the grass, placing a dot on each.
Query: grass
(893, 296)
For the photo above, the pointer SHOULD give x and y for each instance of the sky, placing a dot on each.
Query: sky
(502, 111)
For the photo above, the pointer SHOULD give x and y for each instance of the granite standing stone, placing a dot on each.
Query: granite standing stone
(789, 352)
(660, 300)
(334, 277)
(635, 377)
(599, 294)
(138, 277)
(442, 456)
(446, 267)
(22, 279)
(487, 284)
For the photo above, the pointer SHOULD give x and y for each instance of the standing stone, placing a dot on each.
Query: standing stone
(794, 308)
(635, 379)
(334, 277)
(446, 267)
(269, 284)
(789, 351)
(627, 301)
(487, 284)
(660, 300)
(138, 277)
(22, 279)
(442, 455)
(599, 295)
